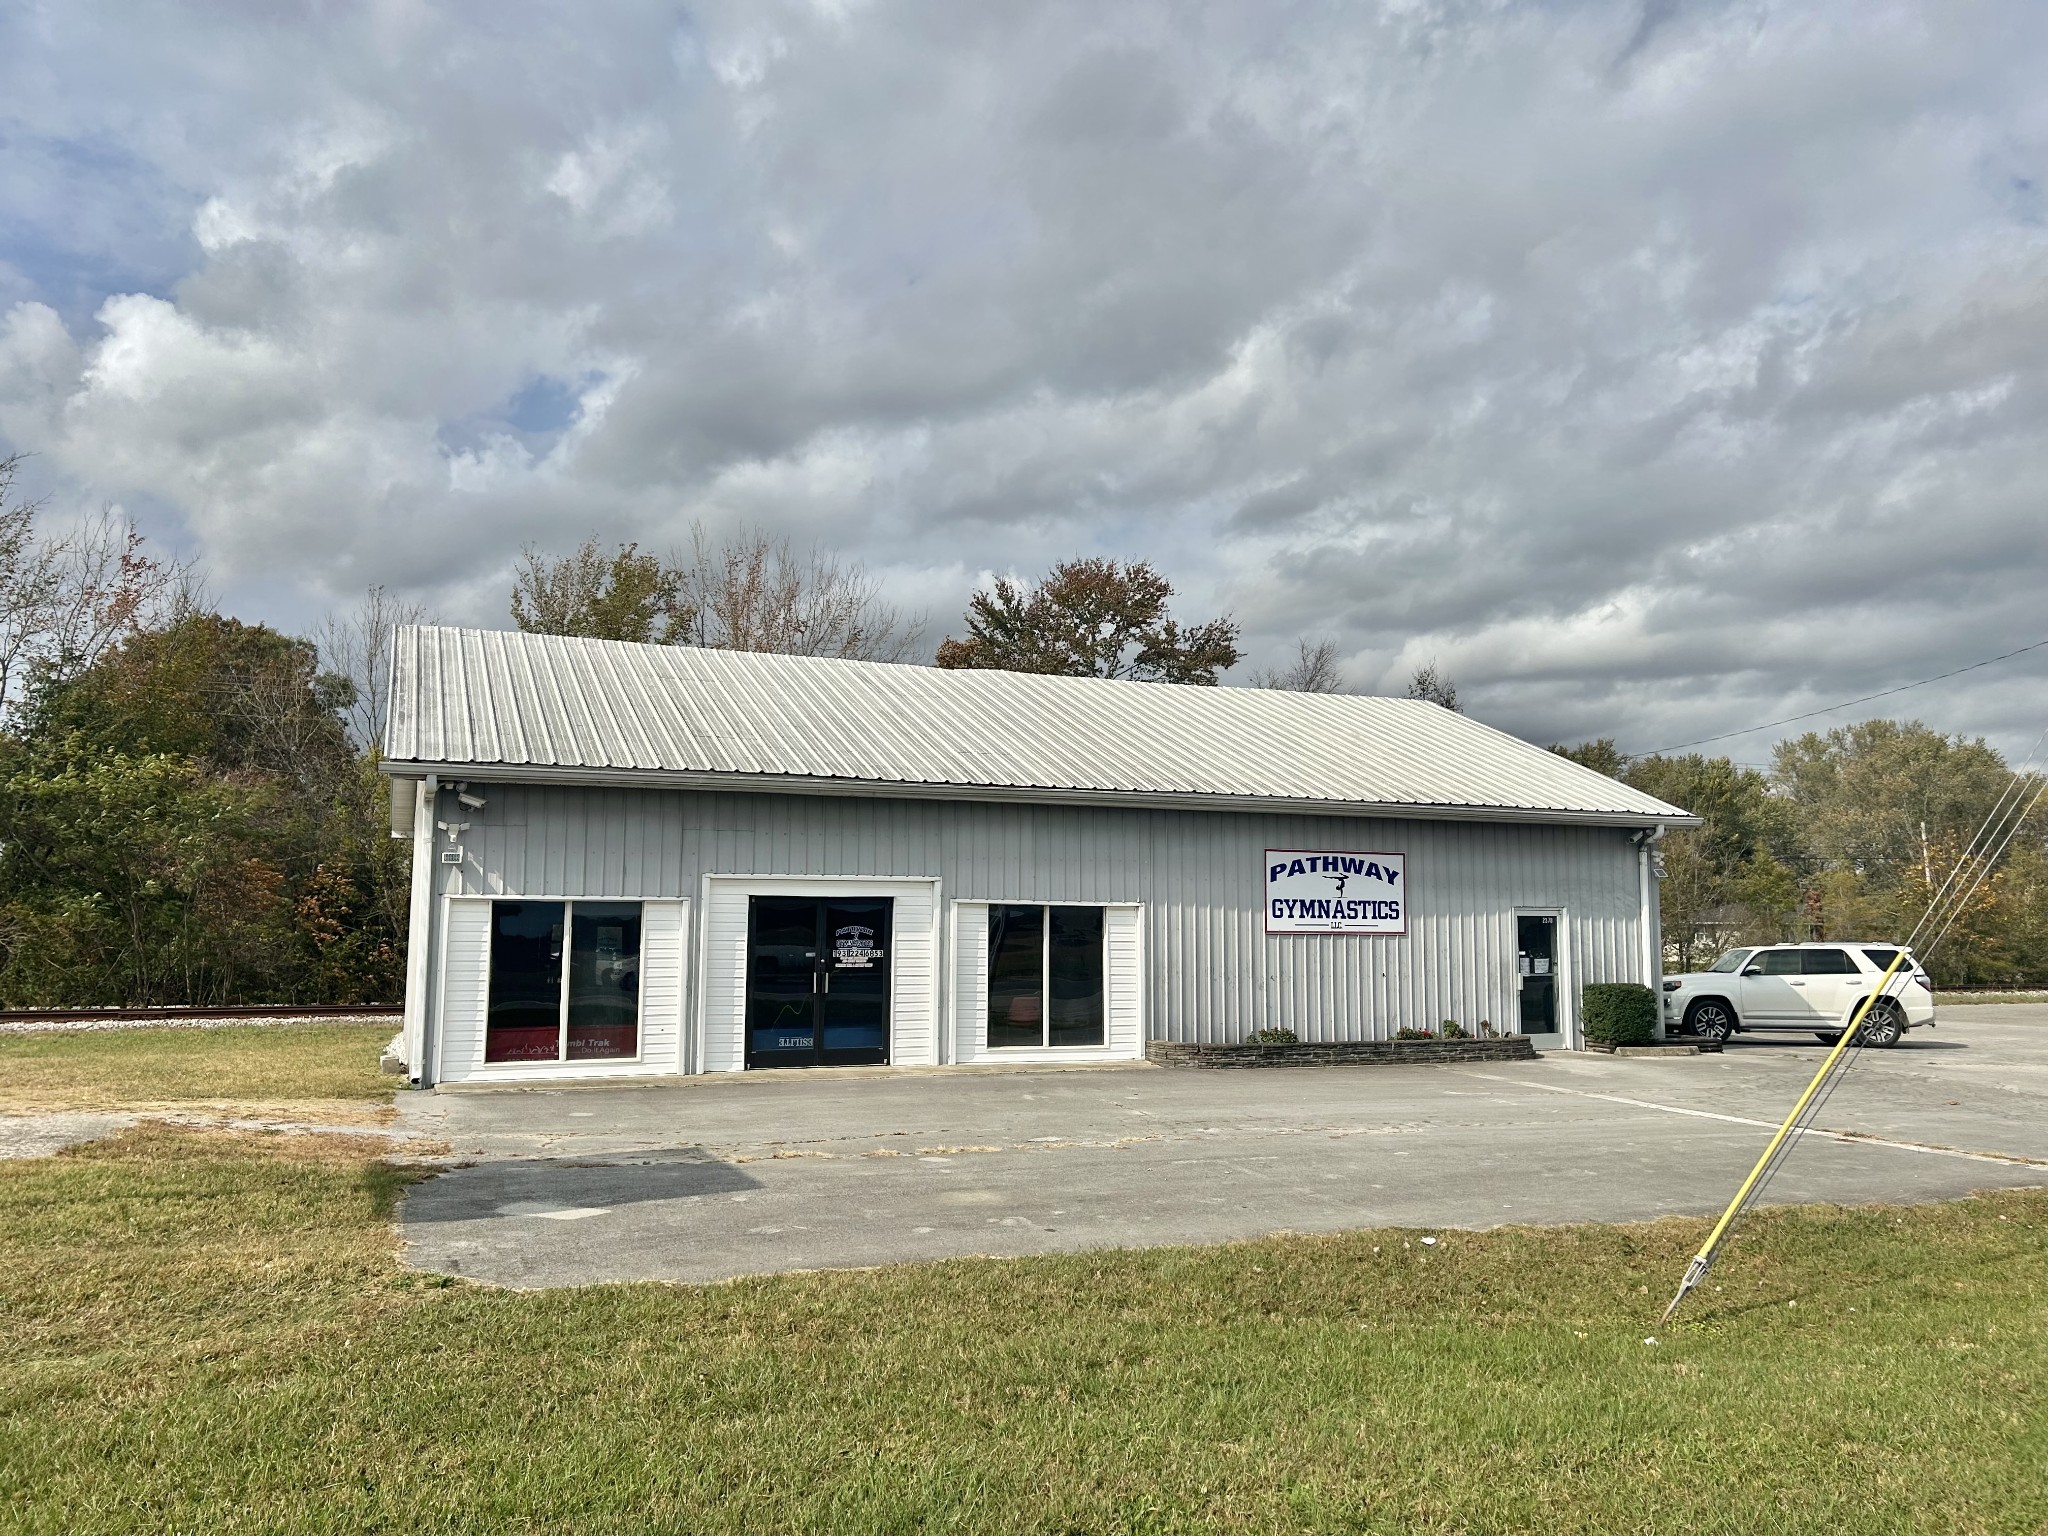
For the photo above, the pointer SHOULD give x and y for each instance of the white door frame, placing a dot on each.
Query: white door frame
(747, 886)
(1566, 1036)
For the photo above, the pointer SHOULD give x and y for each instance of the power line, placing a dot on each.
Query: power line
(1830, 709)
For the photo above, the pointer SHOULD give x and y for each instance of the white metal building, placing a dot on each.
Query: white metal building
(636, 860)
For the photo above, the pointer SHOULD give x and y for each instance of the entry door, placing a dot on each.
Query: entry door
(1536, 959)
(818, 981)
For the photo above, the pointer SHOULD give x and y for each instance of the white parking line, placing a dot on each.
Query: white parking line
(1851, 1138)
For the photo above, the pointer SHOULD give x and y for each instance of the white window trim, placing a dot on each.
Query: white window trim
(973, 1013)
(597, 1065)
(1045, 982)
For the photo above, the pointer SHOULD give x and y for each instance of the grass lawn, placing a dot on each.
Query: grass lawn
(208, 1331)
(1952, 999)
(300, 1071)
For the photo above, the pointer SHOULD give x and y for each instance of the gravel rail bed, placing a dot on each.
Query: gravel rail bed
(73, 1021)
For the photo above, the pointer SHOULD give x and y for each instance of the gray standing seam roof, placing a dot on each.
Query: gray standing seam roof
(511, 706)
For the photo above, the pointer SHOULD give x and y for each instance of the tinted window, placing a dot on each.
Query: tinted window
(525, 1019)
(1732, 961)
(1780, 962)
(1016, 976)
(604, 980)
(1829, 962)
(1883, 958)
(1074, 963)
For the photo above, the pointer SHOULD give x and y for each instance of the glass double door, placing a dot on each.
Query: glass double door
(818, 981)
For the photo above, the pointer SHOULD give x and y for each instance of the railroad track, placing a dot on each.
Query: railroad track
(252, 1011)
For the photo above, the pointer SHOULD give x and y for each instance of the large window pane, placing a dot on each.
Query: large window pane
(604, 980)
(1075, 970)
(1016, 976)
(525, 1019)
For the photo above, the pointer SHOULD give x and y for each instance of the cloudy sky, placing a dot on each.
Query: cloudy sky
(1660, 367)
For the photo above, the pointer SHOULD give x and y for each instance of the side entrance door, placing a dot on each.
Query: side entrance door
(818, 980)
(1537, 952)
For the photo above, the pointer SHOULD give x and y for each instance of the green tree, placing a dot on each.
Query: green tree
(1737, 879)
(184, 821)
(1433, 684)
(1888, 809)
(620, 595)
(1091, 618)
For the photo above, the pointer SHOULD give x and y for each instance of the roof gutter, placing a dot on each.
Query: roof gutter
(893, 789)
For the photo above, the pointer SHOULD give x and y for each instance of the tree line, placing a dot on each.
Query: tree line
(1849, 833)
(190, 811)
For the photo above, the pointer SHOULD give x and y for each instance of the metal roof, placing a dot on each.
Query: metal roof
(494, 704)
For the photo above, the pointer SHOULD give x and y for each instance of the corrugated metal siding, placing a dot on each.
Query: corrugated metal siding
(463, 696)
(1212, 973)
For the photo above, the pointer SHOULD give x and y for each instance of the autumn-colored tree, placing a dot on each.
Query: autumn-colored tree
(1091, 618)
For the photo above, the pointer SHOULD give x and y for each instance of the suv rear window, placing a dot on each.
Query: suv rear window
(1829, 962)
(1883, 958)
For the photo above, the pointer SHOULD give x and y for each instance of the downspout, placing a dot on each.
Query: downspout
(1652, 919)
(418, 932)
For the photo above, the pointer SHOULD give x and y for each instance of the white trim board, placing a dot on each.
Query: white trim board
(720, 1033)
(463, 987)
(1123, 941)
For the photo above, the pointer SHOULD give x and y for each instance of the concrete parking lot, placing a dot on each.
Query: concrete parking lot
(705, 1179)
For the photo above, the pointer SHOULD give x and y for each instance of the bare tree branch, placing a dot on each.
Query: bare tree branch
(753, 592)
(1313, 670)
(357, 646)
(64, 601)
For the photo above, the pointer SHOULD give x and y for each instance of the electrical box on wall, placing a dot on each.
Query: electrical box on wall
(451, 855)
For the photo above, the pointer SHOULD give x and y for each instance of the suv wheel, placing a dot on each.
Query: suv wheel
(1885, 1024)
(1710, 1018)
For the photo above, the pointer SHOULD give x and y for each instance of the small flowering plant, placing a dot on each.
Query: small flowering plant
(1409, 1032)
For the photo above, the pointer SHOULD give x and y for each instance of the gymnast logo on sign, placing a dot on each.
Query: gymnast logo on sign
(1321, 892)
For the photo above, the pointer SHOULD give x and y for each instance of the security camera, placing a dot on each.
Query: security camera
(470, 798)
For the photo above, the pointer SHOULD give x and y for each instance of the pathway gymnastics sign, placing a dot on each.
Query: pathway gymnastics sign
(1336, 892)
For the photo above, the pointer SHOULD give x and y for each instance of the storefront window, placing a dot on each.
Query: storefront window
(1016, 976)
(1039, 956)
(604, 980)
(544, 1010)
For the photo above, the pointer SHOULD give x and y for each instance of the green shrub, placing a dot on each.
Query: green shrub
(1274, 1035)
(1453, 1030)
(1408, 1032)
(1619, 1013)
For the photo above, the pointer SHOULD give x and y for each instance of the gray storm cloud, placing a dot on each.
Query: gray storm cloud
(1655, 369)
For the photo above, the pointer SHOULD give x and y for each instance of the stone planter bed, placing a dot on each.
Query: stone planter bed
(1339, 1053)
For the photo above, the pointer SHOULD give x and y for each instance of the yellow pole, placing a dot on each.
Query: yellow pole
(1696, 1271)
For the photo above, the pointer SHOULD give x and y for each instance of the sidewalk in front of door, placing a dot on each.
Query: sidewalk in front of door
(703, 1180)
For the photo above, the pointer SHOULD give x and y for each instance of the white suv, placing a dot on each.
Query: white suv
(1807, 987)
